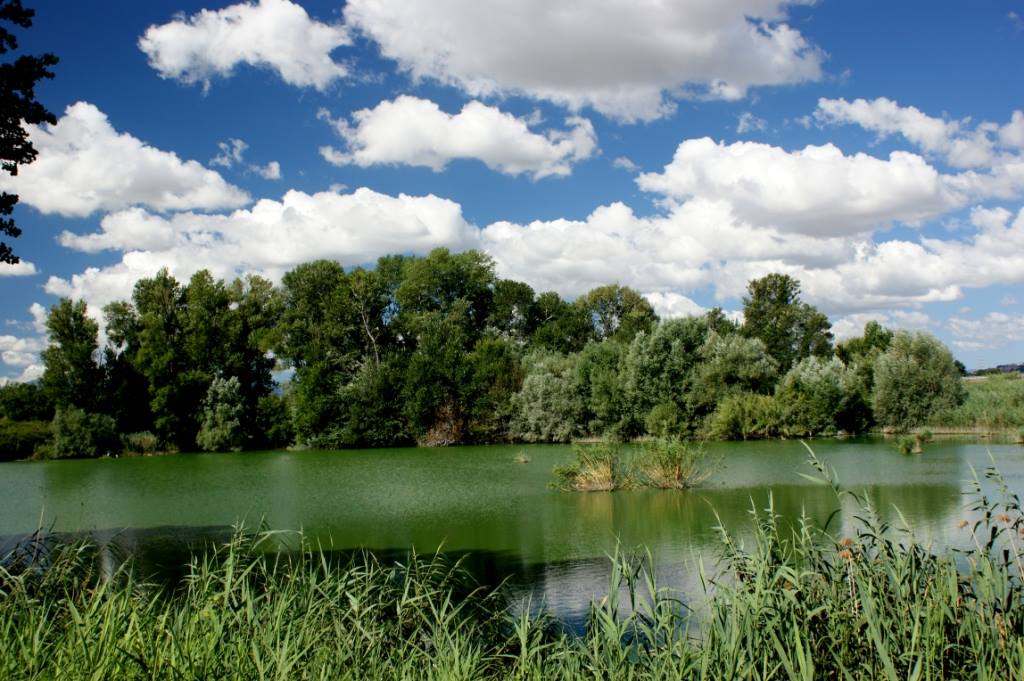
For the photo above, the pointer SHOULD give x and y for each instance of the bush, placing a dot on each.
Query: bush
(144, 443)
(547, 408)
(670, 463)
(813, 393)
(594, 468)
(745, 415)
(221, 428)
(915, 378)
(664, 419)
(274, 421)
(22, 439)
(77, 433)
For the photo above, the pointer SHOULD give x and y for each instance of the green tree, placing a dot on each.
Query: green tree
(320, 335)
(814, 392)
(494, 376)
(77, 433)
(658, 367)
(25, 402)
(18, 106)
(547, 408)
(790, 329)
(72, 376)
(560, 326)
(599, 384)
(915, 377)
(220, 427)
(514, 313)
(617, 312)
(442, 280)
(730, 365)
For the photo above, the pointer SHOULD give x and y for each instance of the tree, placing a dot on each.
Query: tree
(547, 408)
(814, 392)
(25, 402)
(72, 376)
(914, 378)
(220, 427)
(730, 365)
(617, 312)
(790, 329)
(560, 326)
(18, 105)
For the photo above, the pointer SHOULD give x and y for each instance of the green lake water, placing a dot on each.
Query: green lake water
(478, 500)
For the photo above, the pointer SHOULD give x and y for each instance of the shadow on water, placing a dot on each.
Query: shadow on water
(475, 503)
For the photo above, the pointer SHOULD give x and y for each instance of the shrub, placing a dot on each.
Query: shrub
(813, 393)
(916, 377)
(745, 415)
(77, 433)
(547, 408)
(144, 443)
(671, 463)
(220, 428)
(22, 439)
(664, 419)
(594, 468)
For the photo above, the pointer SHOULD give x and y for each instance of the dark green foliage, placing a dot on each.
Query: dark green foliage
(617, 312)
(439, 350)
(18, 106)
(599, 386)
(561, 326)
(915, 378)
(495, 376)
(514, 315)
(142, 443)
(730, 365)
(72, 376)
(22, 439)
(664, 419)
(790, 329)
(373, 409)
(273, 422)
(79, 434)
(744, 416)
(25, 402)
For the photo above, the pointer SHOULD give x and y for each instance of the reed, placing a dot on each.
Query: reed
(799, 602)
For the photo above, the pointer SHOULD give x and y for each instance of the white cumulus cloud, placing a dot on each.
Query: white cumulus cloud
(274, 34)
(269, 238)
(816, 190)
(414, 131)
(85, 165)
(627, 60)
(24, 268)
(959, 142)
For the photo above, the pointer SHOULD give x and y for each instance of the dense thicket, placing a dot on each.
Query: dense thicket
(440, 350)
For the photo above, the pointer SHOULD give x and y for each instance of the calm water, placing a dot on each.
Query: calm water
(478, 500)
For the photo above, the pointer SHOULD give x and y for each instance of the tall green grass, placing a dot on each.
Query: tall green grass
(993, 403)
(796, 603)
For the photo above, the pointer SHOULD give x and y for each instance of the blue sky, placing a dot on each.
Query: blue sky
(873, 150)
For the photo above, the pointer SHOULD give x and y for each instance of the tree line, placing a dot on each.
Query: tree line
(439, 350)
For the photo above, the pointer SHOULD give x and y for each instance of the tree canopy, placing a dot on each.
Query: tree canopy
(18, 106)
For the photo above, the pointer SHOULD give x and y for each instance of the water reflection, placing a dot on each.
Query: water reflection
(551, 544)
